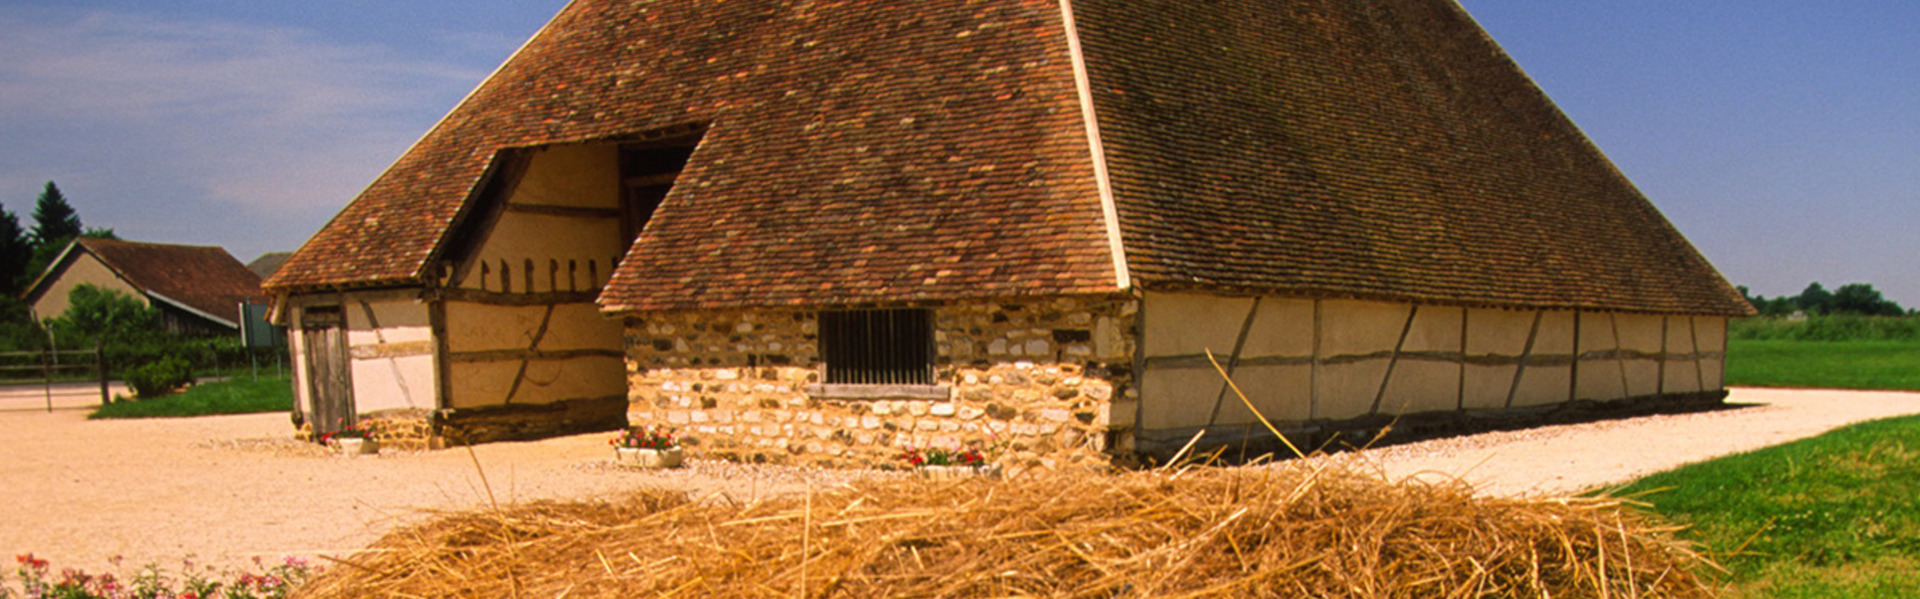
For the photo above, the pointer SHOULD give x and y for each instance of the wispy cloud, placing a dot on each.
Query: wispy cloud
(265, 119)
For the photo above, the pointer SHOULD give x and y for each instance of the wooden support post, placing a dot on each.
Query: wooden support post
(1313, 373)
(1573, 369)
(1525, 353)
(1239, 344)
(1620, 355)
(1460, 399)
(100, 362)
(1394, 360)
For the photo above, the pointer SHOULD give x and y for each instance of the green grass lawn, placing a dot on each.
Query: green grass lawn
(1824, 364)
(239, 395)
(1831, 516)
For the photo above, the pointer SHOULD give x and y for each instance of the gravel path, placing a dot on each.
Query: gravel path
(228, 489)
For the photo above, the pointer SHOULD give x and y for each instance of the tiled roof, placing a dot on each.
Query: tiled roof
(1372, 148)
(268, 263)
(866, 152)
(857, 151)
(205, 277)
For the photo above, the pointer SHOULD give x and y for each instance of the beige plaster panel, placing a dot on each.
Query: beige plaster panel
(86, 269)
(1181, 324)
(1280, 392)
(1179, 397)
(1600, 380)
(1435, 329)
(551, 242)
(400, 322)
(486, 383)
(1639, 332)
(393, 383)
(1684, 376)
(1422, 386)
(1712, 331)
(1684, 339)
(479, 327)
(1284, 327)
(585, 175)
(1713, 371)
(1542, 386)
(1556, 334)
(1486, 386)
(1347, 390)
(1497, 332)
(1355, 327)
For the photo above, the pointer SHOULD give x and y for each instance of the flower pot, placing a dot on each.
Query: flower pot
(953, 472)
(638, 457)
(353, 447)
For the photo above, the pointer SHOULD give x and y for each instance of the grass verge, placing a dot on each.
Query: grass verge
(231, 396)
(1824, 364)
(1830, 516)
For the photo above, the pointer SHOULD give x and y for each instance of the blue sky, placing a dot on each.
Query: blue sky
(1781, 136)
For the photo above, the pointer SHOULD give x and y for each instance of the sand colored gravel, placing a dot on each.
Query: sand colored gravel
(227, 489)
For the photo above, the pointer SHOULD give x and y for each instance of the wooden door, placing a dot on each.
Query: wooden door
(329, 382)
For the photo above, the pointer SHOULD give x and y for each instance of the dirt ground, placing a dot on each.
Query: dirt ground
(228, 489)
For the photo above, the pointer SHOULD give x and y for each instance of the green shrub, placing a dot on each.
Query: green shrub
(1839, 327)
(160, 377)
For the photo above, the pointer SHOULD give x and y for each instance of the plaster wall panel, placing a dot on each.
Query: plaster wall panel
(477, 384)
(1355, 327)
(87, 270)
(393, 383)
(586, 175)
(1183, 324)
(478, 327)
(1284, 327)
(1279, 391)
(1422, 386)
(1347, 390)
(1178, 397)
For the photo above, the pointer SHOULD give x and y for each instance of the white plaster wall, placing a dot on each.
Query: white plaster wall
(392, 365)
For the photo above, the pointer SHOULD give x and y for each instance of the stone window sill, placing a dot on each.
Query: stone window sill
(923, 392)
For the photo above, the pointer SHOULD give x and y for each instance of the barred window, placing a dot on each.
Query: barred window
(878, 347)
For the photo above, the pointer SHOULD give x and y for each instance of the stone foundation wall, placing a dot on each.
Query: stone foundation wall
(1034, 383)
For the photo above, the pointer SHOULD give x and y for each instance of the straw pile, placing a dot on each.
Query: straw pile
(1283, 531)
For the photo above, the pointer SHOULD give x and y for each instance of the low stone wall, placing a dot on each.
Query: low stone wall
(400, 430)
(1031, 382)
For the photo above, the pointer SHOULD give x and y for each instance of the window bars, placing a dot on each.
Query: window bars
(878, 347)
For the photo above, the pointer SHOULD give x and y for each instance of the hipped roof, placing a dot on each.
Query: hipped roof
(205, 279)
(877, 152)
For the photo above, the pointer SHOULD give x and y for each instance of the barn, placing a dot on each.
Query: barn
(818, 232)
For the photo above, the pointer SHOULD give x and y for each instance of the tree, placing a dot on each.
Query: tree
(97, 314)
(16, 252)
(1815, 299)
(1862, 298)
(54, 220)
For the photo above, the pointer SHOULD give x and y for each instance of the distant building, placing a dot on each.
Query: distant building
(268, 263)
(198, 289)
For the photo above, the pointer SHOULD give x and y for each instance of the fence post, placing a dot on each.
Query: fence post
(46, 376)
(100, 360)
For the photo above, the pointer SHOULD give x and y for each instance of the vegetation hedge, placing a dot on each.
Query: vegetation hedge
(1839, 327)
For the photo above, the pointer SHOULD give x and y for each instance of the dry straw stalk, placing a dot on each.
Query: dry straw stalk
(1289, 530)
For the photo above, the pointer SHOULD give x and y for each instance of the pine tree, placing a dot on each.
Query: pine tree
(54, 220)
(16, 251)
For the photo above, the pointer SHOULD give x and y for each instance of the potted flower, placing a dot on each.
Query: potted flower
(650, 447)
(942, 464)
(352, 439)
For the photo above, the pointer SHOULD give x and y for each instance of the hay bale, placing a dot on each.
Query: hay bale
(1285, 531)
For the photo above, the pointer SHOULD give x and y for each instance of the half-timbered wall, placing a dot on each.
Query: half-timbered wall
(520, 325)
(1302, 361)
(389, 350)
